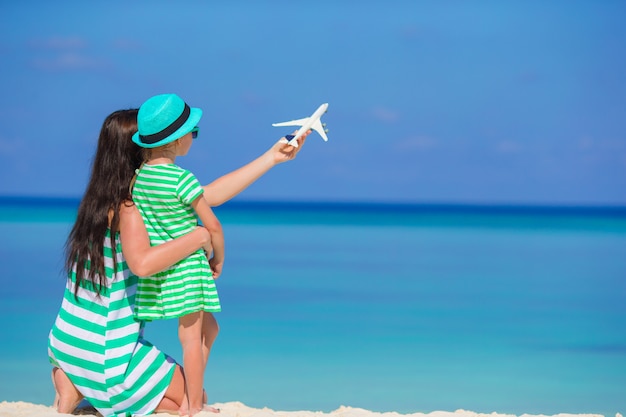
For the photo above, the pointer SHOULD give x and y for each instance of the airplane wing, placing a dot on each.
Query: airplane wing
(317, 126)
(298, 122)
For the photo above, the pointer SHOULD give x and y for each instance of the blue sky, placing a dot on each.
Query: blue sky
(487, 102)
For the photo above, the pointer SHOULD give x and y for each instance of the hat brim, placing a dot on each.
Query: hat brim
(195, 114)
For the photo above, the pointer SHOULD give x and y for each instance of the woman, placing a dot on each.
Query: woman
(96, 346)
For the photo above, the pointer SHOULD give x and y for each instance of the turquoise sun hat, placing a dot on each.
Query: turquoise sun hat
(163, 119)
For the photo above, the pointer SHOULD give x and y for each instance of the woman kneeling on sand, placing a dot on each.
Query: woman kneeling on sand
(96, 346)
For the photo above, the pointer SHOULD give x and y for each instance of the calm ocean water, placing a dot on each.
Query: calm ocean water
(404, 308)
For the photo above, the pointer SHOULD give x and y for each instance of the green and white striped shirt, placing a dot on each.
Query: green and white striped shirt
(163, 194)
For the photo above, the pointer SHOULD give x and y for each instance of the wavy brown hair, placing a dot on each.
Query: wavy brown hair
(113, 167)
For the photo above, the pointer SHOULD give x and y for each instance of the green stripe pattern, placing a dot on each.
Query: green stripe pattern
(163, 194)
(98, 343)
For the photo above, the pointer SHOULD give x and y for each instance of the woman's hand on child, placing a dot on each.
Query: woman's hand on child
(208, 249)
(205, 240)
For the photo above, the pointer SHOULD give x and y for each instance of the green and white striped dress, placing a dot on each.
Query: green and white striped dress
(98, 343)
(163, 194)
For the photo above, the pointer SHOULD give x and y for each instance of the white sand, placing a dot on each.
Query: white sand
(237, 409)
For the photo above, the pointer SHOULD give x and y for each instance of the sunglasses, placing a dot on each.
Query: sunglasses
(194, 132)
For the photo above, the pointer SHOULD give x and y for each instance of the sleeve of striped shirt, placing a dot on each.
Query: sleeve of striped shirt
(189, 187)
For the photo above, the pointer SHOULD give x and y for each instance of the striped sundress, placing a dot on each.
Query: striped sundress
(98, 343)
(163, 193)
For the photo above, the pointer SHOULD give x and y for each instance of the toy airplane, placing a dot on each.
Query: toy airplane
(307, 123)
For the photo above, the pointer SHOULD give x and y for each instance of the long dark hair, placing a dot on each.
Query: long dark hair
(113, 167)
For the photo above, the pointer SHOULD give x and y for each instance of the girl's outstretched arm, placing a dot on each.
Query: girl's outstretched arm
(229, 185)
(145, 260)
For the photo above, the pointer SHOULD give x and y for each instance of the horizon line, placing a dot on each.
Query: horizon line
(616, 208)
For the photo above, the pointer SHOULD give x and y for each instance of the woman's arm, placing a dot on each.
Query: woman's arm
(145, 260)
(228, 186)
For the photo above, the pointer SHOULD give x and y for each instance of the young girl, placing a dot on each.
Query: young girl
(169, 198)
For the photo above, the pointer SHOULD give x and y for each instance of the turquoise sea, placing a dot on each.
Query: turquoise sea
(385, 307)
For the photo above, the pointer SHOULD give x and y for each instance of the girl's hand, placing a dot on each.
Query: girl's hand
(216, 267)
(283, 152)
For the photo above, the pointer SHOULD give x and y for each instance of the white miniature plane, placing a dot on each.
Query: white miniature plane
(307, 123)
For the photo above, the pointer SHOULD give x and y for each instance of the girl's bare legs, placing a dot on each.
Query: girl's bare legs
(196, 332)
(210, 329)
(191, 339)
(66, 397)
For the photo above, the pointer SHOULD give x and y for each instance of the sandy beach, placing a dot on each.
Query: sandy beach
(237, 409)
